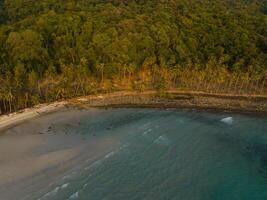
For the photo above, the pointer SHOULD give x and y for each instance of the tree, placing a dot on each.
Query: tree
(51, 50)
(26, 47)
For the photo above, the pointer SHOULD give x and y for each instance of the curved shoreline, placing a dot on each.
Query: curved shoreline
(37, 152)
(256, 104)
(13, 119)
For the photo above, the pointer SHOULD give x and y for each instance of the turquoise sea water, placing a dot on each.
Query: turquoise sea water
(170, 154)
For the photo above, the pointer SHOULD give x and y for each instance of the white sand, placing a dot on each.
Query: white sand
(14, 118)
(31, 157)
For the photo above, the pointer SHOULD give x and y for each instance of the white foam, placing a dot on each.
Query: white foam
(147, 131)
(162, 140)
(94, 164)
(227, 120)
(54, 192)
(74, 195)
(64, 185)
(145, 126)
(100, 161)
(86, 168)
(110, 154)
(66, 177)
(74, 172)
(124, 146)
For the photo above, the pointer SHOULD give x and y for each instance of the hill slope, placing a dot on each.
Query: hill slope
(51, 49)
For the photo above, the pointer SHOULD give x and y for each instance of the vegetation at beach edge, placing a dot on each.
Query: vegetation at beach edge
(55, 49)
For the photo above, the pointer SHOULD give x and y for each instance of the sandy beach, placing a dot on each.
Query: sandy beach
(18, 117)
(35, 149)
(256, 104)
(39, 151)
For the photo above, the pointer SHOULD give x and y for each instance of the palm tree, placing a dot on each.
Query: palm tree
(100, 69)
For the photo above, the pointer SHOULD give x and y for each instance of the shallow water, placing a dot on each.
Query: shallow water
(169, 154)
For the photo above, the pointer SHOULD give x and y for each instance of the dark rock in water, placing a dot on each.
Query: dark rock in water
(41, 133)
(49, 129)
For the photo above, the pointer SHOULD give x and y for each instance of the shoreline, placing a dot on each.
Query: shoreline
(246, 104)
(16, 118)
(40, 155)
(190, 100)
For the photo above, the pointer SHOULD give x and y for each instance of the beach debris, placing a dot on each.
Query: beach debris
(227, 120)
(49, 129)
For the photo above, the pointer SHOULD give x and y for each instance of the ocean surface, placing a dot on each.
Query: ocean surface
(169, 154)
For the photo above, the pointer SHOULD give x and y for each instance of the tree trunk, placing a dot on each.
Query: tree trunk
(10, 108)
(236, 83)
(262, 86)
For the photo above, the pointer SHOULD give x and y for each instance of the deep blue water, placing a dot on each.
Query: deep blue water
(170, 154)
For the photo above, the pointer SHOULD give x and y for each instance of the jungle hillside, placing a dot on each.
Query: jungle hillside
(57, 49)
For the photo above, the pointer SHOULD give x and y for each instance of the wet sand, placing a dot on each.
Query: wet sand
(256, 104)
(18, 117)
(34, 154)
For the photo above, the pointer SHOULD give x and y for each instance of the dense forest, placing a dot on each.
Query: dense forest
(55, 49)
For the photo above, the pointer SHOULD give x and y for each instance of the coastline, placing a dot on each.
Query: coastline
(12, 119)
(38, 151)
(38, 154)
(249, 104)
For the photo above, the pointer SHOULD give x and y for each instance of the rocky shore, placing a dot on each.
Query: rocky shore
(36, 147)
(173, 99)
(254, 104)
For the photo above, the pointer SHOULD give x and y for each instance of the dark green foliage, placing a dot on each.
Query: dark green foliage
(58, 44)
